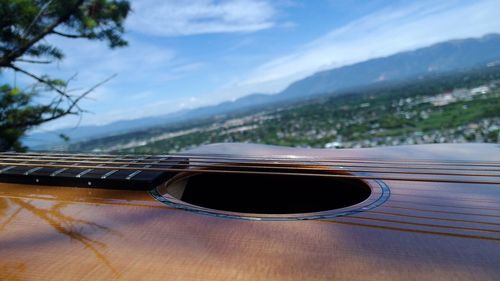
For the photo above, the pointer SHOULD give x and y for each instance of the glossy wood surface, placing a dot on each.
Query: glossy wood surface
(425, 231)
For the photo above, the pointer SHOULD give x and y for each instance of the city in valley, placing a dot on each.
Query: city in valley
(455, 108)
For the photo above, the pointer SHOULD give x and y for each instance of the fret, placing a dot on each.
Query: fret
(93, 172)
(32, 170)
(63, 170)
(6, 169)
(129, 177)
(133, 177)
(93, 175)
(110, 173)
(11, 169)
(35, 169)
(133, 174)
(84, 172)
(58, 172)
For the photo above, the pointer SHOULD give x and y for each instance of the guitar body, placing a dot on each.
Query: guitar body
(410, 230)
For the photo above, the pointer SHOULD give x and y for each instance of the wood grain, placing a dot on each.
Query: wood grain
(425, 231)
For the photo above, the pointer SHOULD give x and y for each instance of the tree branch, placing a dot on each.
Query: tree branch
(41, 80)
(69, 35)
(71, 107)
(35, 61)
(6, 60)
(42, 10)
(90, 91)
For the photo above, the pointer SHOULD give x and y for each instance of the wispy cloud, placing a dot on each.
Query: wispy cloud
(378, 34)
(188, 17)
(141, 70)
(94, 61)
(160, 74)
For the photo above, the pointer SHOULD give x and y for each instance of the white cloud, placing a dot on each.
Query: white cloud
(378, 34)
(142, 70)
(188, 17)
(93, 62)
(145, 66)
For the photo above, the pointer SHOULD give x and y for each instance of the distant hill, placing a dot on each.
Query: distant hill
(44, 140)
(442, 57)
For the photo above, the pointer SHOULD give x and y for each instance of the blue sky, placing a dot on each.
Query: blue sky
(186, 54)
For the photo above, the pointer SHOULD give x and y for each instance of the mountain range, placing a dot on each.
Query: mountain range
(443, 57)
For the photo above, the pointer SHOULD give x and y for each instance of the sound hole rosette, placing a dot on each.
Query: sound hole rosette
(172, 193)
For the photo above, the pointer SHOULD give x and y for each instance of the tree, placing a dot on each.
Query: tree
(24, 28)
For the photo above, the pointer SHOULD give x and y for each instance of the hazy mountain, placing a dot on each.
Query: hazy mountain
(443, 57)
(42, 139)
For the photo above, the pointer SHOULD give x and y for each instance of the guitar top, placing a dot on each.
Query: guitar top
(253, 212)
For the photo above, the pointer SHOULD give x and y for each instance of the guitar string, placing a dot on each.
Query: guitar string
(239, 166)
(417, 200)
(218, 171)
(341, 160)
(382, 208)
(403, 215)
(409, 230)
(270, 159)
(395, 221)
(431, 226)
(391, 214)
(261, 163)
(465, 197)
(376, 219)
(441, 205)
(410, 200)
(372, 211)
(442, 226)
(434, 218)
(231, 157)
(306, 160)
(437, 211)
(455, 198)
(410, 223)
(425, 224)
(77, 167)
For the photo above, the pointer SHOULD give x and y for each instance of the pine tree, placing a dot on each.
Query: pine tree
(23, 26)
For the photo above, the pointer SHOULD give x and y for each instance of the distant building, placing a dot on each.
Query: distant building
(334, 144)
(443, 99)
(480, 90)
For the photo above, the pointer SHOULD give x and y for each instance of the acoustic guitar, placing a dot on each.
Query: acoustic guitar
(253, 212)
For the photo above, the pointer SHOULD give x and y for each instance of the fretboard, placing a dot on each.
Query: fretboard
(127, 172)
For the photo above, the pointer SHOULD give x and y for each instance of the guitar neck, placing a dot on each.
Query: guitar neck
(85, 171)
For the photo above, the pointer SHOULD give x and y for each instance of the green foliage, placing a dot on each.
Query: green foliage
(23, 26)
(18, 113)
(376, 113)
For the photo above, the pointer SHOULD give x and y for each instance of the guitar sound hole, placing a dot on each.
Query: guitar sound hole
(265, 194)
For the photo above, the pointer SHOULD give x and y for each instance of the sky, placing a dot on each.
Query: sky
(184, 54)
